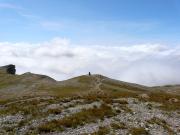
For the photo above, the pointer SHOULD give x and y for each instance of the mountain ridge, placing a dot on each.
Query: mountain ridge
(87, 104)
(30, 83)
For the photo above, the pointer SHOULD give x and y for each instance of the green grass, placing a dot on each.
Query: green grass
(124, 86)
(82, 87)
(5, 101)
(85, 79)
(7, 80)
(64, 91)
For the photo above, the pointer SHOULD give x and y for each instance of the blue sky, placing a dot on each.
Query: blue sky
(130, 40)
(91, 21)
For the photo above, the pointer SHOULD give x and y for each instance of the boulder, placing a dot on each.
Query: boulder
(9, 69)
(143, 96)
(173, 100)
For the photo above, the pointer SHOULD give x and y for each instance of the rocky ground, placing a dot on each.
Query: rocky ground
(32, 104)
(81, 116)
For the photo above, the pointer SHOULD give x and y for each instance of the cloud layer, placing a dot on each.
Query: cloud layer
(148, 64)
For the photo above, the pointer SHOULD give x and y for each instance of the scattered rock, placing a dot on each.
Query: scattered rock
(144, 96)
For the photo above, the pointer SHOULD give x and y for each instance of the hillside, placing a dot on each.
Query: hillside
(34, 84)
(95, 105)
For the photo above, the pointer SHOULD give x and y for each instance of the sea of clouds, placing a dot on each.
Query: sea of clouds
(147, 64)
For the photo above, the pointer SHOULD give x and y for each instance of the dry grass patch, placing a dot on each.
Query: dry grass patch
(4, 101)
(50, 127)
(126, 109)
(10, 129)
(121, 93)
(162, 123)
(138, 131)
(119, 125)
(24, 107)
(108, 96)
(80, 118)
(164, 98)
(54, 111)
(98, 96)
(102, 131)
(120, 101)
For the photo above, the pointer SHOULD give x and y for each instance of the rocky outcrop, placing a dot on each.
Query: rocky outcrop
(9, 69)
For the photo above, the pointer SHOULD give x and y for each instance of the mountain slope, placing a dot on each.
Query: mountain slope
(172, 89)
(19, 85)
(95, 105)
(29, 84)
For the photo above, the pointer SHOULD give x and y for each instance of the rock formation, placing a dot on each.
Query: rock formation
(9, 69)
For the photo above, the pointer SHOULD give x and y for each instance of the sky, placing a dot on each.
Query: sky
(131, 40)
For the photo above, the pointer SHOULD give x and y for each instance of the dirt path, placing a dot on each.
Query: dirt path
(97, 84)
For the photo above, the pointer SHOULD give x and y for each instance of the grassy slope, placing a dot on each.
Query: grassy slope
(172, 89)
(84, 84)
(14, 86)
(21, 95)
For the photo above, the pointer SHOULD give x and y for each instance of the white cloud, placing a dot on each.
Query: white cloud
(29, 15)
(149, 64)
(10, 6)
